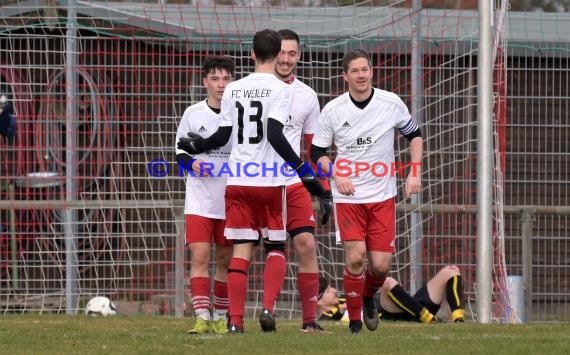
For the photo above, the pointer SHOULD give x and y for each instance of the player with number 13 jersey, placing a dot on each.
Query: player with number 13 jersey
(246, 106)
(254, 111)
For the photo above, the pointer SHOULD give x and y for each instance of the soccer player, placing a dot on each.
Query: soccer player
(204, 206)
(362, 124)
(395, 303)
(331, 303)
(300, 223)
(254, 111)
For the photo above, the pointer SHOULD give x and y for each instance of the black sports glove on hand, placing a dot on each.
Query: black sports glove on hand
(326, 204)
(310, 180)
(190, 145)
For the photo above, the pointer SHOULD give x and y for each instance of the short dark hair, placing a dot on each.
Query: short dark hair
(352, 55)
(213, 63)
(266, 45)
(289, 34)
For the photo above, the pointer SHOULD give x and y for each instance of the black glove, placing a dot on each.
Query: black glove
(190, 145)
(310, 180)
(326, 204)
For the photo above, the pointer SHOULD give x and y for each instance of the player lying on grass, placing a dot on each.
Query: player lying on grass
(394, 303)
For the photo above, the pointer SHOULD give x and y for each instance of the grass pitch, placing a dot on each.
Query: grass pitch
(62, 334)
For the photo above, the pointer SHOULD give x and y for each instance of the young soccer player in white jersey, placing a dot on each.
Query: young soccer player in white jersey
(300, 222)
(361, 124)
(254, 110)
(204, 206)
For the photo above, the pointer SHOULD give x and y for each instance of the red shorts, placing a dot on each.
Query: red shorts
(251, 210)
(204, 229)
(299, 208)
(375, 223)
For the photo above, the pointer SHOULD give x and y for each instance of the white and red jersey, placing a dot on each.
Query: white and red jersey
(204, 195)
(364, 136)
(246, 105)
(303, 119)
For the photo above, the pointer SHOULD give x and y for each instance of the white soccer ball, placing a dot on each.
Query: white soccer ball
(100, 306)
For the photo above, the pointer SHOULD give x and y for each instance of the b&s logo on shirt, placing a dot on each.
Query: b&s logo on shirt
(218, 153)
(361, 145)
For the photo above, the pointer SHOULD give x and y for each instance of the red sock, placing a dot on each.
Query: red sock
(308, 284)
(220, 295)
(200, 290)
(353, 288)
(372, 283)
(273, 278)
(237, 288)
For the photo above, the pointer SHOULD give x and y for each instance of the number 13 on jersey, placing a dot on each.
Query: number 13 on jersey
(253, 118)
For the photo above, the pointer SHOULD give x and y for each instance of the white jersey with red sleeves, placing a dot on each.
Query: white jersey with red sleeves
(204, 195)
(364, 136)
(303, 119)
(246, 106)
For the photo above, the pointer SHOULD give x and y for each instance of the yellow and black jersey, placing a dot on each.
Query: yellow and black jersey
(335, 313)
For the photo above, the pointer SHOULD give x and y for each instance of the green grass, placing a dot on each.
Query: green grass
(61, 334)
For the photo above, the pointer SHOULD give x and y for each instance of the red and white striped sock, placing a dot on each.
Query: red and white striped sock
(220, 299)
(200, 290)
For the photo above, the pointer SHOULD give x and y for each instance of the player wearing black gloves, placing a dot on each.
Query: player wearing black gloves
(195, 144)
(326, 205)
(254, 112)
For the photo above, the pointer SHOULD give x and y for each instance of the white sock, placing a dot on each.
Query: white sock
(220, 314)
(203, 313)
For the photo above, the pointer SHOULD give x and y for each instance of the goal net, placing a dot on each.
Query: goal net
(111, 223)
